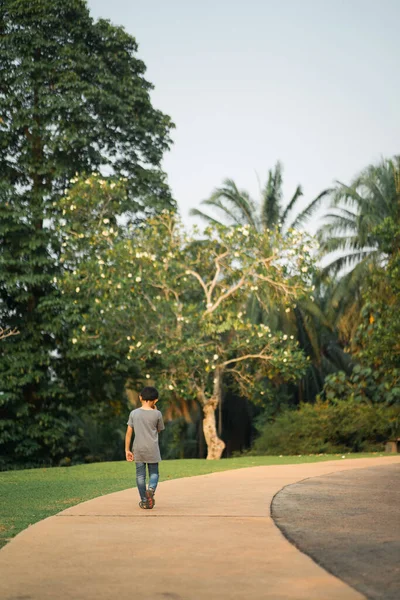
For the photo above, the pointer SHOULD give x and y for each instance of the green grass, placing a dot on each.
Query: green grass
(34, 494)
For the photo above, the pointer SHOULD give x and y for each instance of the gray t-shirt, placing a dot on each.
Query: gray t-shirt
(146, 425)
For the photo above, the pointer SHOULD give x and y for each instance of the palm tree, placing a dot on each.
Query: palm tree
(358, 209)
(238, 208)
(349, 239)
(308, 321)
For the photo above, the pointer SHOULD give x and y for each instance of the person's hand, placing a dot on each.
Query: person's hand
(129, 455)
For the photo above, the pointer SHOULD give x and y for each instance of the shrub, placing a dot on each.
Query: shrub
(364, 384)
(324, 427)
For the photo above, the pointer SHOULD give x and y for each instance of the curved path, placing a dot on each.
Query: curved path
(348, 522)
(209, 537)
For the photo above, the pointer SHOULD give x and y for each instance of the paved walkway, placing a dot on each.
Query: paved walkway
(209, 537)
(348, 522)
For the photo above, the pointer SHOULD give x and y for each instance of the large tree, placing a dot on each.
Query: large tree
(356, 211)
(349, 239)
(73, 99)
(308, 322)
(174, 306)
(237, 207)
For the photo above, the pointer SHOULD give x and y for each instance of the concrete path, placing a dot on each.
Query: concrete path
(348, 522)
(209, 537)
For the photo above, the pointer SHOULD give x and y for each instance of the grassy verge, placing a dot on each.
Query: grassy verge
(31, 495)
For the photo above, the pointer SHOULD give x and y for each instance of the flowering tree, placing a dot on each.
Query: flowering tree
(175, 305)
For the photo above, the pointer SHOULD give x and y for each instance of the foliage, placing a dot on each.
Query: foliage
(340, 426)
(179, 440)
(376, 343)
(364, 384)
(174, 306)
(191, 295)
(237, 207)
(73, 99)
(312, 322)
(352, 240)
(357, 211)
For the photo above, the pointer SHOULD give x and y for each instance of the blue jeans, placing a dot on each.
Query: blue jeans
(141, 477)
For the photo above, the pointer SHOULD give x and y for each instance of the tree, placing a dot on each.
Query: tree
(309, 322)
(73, 99)
(375, 347)
(349, 240)
(237, 207)
(175, 305)
(357, 210)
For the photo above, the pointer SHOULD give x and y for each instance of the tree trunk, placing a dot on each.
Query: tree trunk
(215, 446)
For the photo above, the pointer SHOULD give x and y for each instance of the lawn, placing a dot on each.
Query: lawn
(34, 494)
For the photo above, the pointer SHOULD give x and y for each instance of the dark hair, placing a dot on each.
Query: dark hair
(149, 393)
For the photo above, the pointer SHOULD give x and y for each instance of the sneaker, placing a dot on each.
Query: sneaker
(150, 498)
(144, 504)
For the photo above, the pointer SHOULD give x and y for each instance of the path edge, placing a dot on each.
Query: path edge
(289, 538)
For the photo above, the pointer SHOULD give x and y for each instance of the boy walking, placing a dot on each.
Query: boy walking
(146, 422)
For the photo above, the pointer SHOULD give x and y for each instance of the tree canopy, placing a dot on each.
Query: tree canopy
(73, 99)
(176, 305)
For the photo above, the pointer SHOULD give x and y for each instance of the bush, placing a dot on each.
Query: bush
(324, 427)
(364, 384)
(179, 440)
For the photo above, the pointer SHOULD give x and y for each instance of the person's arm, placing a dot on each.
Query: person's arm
(160, 423)
(128, 440)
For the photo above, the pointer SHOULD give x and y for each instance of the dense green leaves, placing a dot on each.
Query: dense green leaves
(73, 99)
(324, 427)
(173, 306)
(98, 293)
(176, 305)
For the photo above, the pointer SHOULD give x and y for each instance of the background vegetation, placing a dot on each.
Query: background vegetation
(103, 290)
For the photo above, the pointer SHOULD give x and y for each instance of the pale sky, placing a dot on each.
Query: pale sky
(312, 83)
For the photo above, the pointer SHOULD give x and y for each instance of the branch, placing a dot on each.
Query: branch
(286, 288)
(245, 357)
(150, 302)
(201, 397)
(226, 295)
(7, 332)
(217, 272)
(245, 378)
(203, 285)
(239, 284)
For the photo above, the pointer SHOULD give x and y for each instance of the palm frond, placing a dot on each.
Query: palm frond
(217, 204)
(243, 207)
(346, 194)
(337, 224)
(298, 193)
(195, 212)
(309, 211)
(312, 309)
(329, 245)
(272, 198)
(341, 212)
(343, 262)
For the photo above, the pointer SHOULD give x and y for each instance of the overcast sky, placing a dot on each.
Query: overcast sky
(312, 83)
